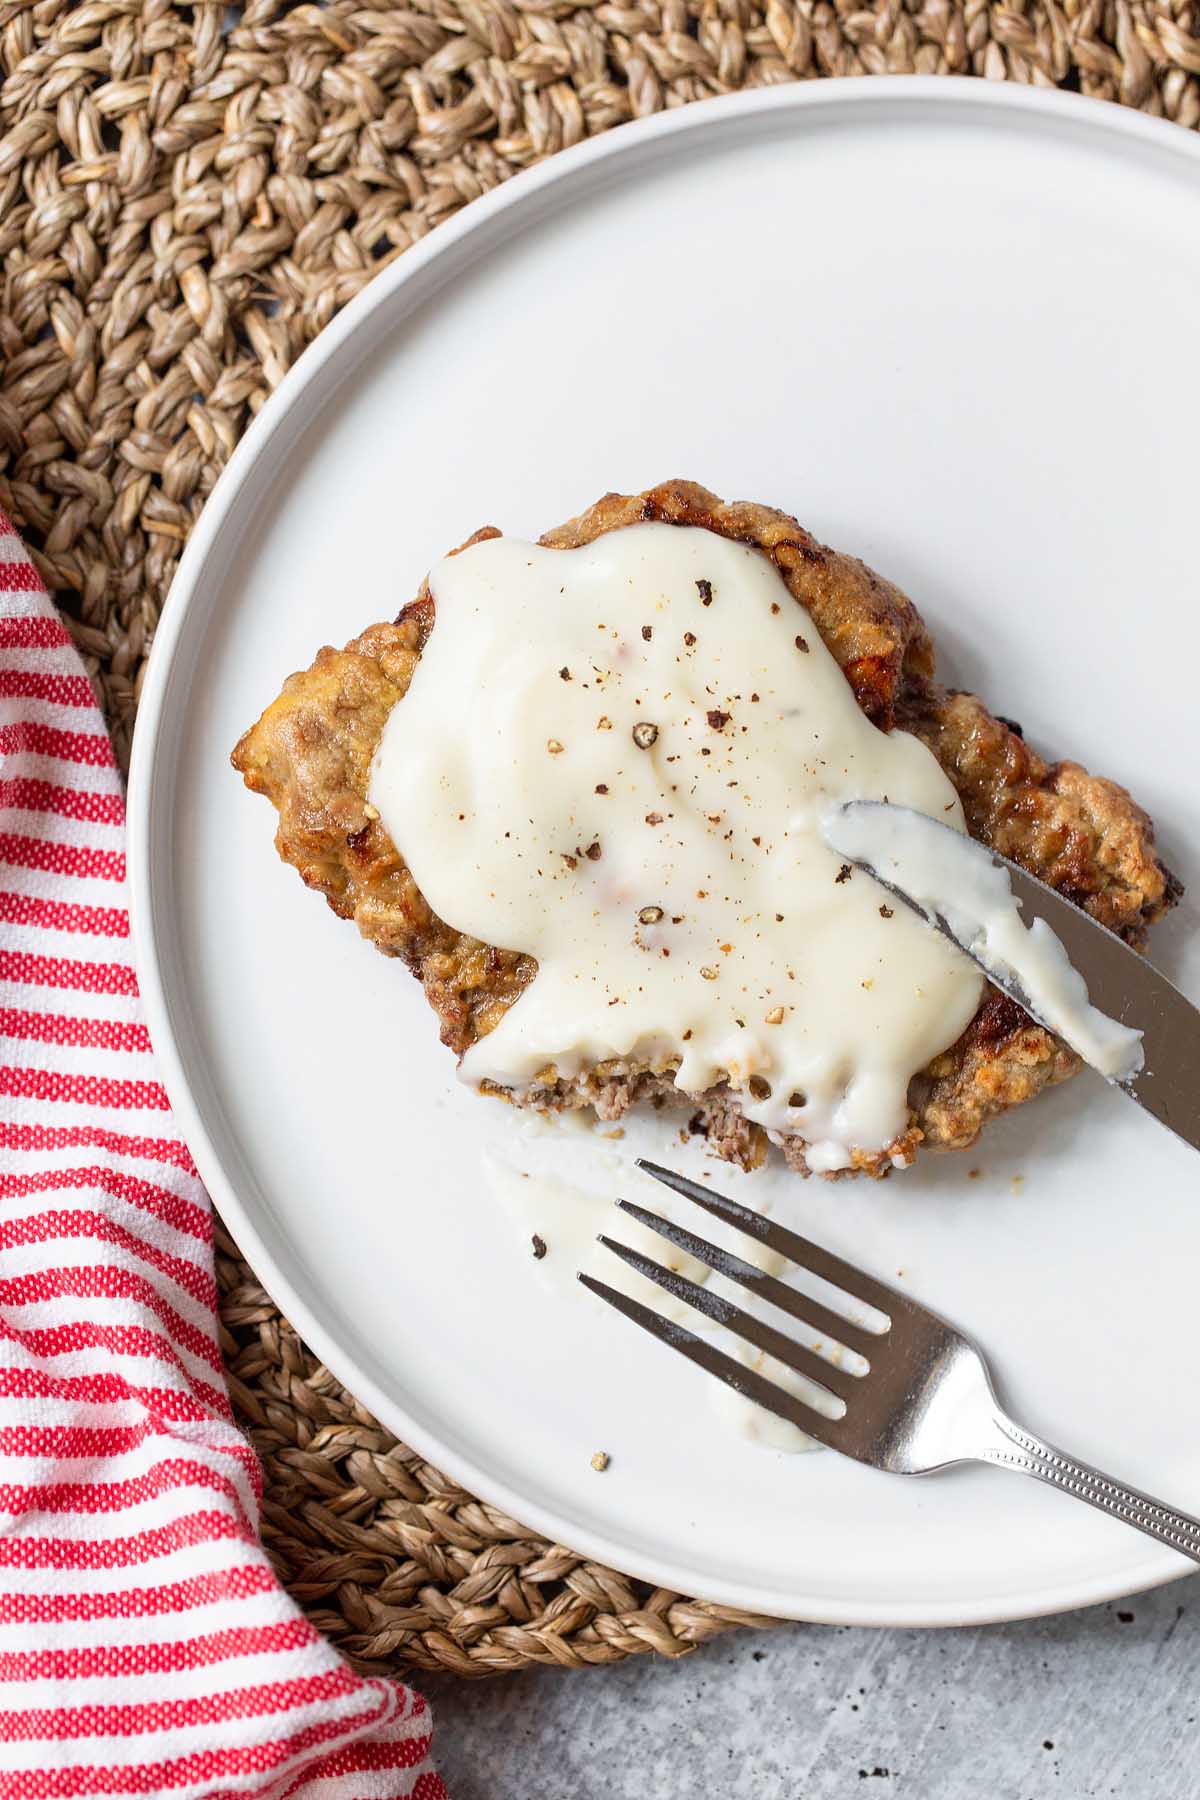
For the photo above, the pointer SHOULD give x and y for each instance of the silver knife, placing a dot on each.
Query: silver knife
(1120, 982)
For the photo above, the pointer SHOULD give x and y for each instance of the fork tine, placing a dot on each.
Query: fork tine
(743, 1324)
(789, 1300)
(797, 1249)
(734, 1374)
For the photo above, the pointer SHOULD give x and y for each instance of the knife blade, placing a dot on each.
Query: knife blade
(1120, 982)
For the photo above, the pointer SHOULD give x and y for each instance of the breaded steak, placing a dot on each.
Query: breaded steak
(311, 752)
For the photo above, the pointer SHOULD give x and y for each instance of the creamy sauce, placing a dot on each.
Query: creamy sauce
(952, 878)
(567, 1219)
(749, 1420)
(617, 759)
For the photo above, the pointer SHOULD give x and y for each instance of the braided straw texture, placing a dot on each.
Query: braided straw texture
(188, 193)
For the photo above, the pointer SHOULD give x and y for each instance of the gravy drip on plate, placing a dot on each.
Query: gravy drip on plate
(617, 759)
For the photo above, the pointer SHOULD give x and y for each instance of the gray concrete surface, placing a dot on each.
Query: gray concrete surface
(1099, 1703)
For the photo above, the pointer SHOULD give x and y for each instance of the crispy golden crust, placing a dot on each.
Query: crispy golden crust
(310, 753)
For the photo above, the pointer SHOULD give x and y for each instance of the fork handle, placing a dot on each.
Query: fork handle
(1020, 1450)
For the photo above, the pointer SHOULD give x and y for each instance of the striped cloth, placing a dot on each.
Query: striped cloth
(146, 1647)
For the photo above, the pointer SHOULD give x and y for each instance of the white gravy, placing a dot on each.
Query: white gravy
(566, 1219)
(617, 759)
(950, 876)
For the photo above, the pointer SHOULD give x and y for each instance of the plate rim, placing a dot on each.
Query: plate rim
(856, 94)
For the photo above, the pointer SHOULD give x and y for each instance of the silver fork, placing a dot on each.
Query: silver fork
(924, 1400)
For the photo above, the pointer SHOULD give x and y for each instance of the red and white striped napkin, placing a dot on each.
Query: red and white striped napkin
(146, 1647)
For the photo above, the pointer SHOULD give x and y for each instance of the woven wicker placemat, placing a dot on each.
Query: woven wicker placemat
(188, 193)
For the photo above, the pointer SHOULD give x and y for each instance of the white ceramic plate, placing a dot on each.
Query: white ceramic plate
(951, 325)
